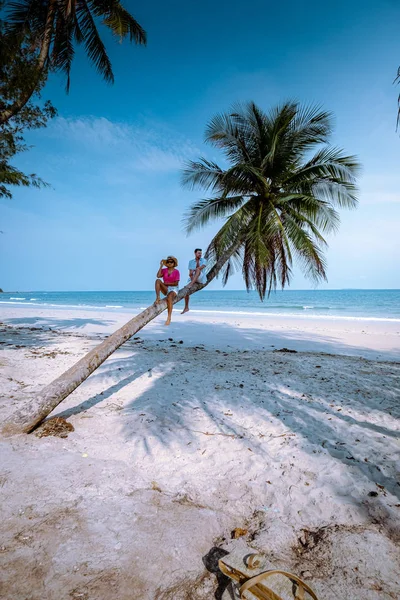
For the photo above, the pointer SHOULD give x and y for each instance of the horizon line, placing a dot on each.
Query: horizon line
(210, 290)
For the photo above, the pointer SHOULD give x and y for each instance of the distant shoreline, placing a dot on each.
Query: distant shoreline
(51, 291)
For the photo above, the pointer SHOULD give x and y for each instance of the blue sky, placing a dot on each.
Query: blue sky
(113, 156)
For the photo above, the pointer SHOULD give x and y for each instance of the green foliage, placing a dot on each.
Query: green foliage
(279, 194)
(60, 24)
(17, 70)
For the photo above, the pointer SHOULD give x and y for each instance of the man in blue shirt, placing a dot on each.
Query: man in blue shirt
(197, 273)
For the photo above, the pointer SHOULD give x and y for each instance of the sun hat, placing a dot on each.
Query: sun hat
(170, 258)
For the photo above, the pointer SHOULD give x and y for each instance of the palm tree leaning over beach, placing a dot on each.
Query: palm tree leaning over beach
(278, 195)
(55, 26)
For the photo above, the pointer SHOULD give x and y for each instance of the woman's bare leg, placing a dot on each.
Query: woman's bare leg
(160, 287)
(170, 303)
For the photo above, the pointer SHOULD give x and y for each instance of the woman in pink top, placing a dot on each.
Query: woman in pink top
(169, 285)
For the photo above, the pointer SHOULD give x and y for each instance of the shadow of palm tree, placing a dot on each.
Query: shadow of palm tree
(97, 398)
(54, 323)
(168, 411)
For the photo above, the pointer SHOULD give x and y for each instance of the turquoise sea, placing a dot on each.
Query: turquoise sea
(338, 304)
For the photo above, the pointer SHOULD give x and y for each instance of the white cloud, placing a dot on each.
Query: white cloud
(145, 147)
(88, 131)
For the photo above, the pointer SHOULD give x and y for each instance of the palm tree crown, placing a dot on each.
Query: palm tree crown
(279, 193)
(56, 25)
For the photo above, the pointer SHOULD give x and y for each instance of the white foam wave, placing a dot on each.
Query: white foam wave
(113, 306)
(17, 298)
(265, 314)
(33, 299)
(48, 305)
(296, 315)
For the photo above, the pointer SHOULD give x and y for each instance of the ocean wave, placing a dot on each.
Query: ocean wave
(301, 307)
(26, 303)
(17, 298)
(48, 305)
(297, 315)
(303, 314)
(33, 299)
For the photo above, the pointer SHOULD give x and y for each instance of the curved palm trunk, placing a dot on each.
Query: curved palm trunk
(37, 409)
(12, 110)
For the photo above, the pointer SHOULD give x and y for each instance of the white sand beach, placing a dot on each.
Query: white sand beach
(189, 432)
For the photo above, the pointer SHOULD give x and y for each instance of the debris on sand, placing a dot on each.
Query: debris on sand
(57, 426)
(155, 487)
(238, 532)
(285, 350)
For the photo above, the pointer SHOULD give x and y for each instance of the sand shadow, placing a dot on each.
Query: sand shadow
(210, 561)
(171, 421)
(54, 323)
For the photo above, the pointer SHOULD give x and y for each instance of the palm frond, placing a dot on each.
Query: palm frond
(255, 121)
(230, 235)
(243, 177)
(308, 252)
(338, 192)
(233, 181)
(276, 237)
(331, 162)
(223, 131)
(122, 23)
(26, 16)
(202, 173)
(203, 211)
(330, 175)
(311, 125)
(320, 212)
(93, 44)
(63, 51)
(78, 35)
(277, 124)
(231, 266)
